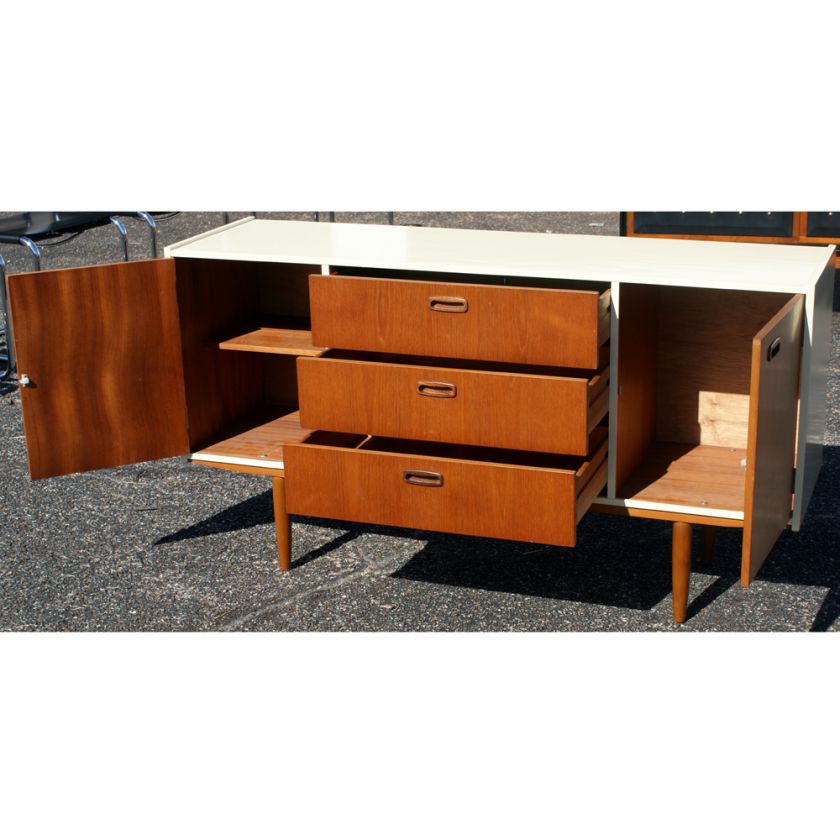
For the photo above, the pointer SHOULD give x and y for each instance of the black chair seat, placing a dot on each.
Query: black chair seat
(37, 225)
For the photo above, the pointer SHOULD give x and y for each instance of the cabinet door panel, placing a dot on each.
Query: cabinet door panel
(102, 350)
(771, 437)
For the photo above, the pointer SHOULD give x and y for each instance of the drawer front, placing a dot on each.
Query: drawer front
(479, 408)
(440, 494)
(464, 321)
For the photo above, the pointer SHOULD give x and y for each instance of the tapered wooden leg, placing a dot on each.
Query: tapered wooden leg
(282, 524)
(707, 543)
(681, 568)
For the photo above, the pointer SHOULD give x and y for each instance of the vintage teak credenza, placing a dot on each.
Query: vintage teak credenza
(493, 384)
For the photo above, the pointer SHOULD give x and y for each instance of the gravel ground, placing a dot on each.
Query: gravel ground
(170, 546)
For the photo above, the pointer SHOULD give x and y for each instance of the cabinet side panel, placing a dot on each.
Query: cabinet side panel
(776, 356)
(816, 352)
(635, 422)
(101, 348)
(215, 298)
(705, 344)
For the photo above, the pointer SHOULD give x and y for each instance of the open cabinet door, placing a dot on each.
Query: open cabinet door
(100, 349)
(771, 441)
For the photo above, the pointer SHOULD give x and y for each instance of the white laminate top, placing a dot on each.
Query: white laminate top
(608, 259)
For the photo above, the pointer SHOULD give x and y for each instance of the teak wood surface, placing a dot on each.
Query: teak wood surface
(215, 297)
(283, 341)
(452, 495)
(772, 435)
(680, 568)
(262, 436)
(502, 323)
(703, 374)
(635, 421)
(282, 524)
(480, 408)
(102, 348)
(694, 475)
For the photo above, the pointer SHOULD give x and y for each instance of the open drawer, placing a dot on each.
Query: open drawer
(507, 406)
(520, 325)
(438, 487)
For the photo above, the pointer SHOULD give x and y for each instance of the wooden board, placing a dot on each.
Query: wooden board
(284, 288)
(215, 297)
(635, 421)
(772, 435)
(255, 442)
(102, 348)
(515, 411)
(703, 372)
(469, 321)
(692, 475)
(281, 341)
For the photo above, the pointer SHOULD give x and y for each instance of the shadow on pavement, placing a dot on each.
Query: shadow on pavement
(617, 562)
(258, 510)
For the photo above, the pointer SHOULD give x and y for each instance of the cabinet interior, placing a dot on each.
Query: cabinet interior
(243, 324)
(479, 279)
(684, 393)
(684, 360)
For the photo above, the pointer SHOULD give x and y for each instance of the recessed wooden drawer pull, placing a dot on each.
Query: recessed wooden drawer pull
(423, 478)
(441, 303)
(773, 349)
(436, 389)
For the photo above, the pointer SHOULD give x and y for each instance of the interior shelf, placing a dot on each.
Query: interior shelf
(279, 340)
(257, 441)
(695, 475)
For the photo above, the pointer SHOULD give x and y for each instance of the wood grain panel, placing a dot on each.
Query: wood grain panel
(591, 491)
(260, 437)
(703, 374)
(280, 380)
(516, 411)
(504, 323)
(635, 421)
(283, 288)
(693, 475)
(215, 297)
(282, 341)
(772, 435)
(476, 498)
(101, 346)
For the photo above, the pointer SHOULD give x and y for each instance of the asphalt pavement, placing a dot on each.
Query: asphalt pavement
(167, 545)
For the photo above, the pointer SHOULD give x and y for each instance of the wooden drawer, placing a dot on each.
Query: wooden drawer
(539, 412)
(460, 490)
(513, 324)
